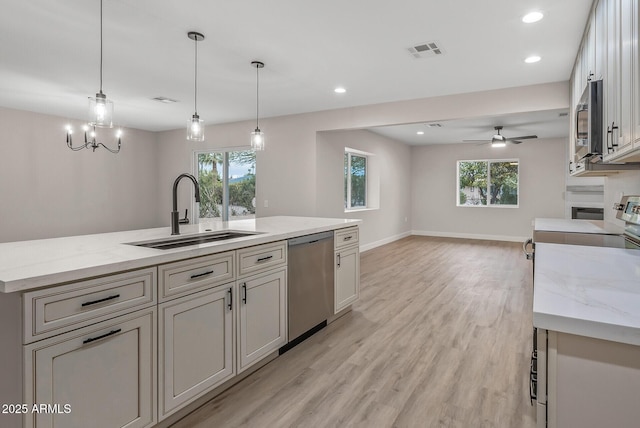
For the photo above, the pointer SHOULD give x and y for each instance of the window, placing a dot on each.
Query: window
(488, 183)
(227, 184)
(355, 180)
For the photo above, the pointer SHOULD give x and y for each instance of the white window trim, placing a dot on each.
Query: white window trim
(349, 151)
(489, 205)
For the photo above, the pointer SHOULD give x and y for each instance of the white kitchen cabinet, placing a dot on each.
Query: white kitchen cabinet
(347, 277)
(262, 316)
(599, 24)
(618, 78)
(104, 373)
(591, 382)
(195, 346)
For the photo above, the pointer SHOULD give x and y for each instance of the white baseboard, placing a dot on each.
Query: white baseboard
(470, 236)
(384, 241)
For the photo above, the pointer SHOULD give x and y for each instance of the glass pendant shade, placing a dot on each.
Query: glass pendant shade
(257, 140)
(100, 111)
(195, 128)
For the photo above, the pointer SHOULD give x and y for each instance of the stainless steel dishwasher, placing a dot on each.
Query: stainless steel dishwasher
(310, 285)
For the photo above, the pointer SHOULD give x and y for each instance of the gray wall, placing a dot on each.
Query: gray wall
(392, 159)
(47, 190)
(542, 183)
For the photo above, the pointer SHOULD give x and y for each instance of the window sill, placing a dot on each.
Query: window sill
(488, 206)
(355, 210)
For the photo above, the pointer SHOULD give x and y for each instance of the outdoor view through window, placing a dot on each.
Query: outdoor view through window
(488, 182)
(355, 181)
(227, 184)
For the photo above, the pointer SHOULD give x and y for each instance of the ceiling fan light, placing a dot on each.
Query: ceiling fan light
(498, 144)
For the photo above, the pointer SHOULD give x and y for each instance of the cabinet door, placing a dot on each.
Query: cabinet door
(98, 376)
(627, 19)
(612, 78)
(196, 346)
(636, 75)
(262, 316)
(600, 39)
(347, 277)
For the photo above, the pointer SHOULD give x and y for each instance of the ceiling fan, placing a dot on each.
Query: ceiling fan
(499, 140)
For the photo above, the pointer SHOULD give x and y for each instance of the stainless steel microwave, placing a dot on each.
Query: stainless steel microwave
(589, 121)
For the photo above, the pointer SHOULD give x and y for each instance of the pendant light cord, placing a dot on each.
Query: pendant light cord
(100, 46)
(257, 95)
(195, 80)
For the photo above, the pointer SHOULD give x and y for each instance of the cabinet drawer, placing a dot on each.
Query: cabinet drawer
(55, 310)
(261, 257)
(346, 237)
(186, 276)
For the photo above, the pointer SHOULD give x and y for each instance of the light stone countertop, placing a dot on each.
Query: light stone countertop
(588, 291)
(576, 226)
(26, 265)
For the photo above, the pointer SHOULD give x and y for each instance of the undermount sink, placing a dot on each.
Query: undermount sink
(185, 241)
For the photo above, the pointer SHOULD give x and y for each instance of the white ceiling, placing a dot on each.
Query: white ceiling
(49, 56)
(544, 124)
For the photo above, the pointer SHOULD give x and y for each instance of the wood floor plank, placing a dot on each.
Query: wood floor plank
(441, 337)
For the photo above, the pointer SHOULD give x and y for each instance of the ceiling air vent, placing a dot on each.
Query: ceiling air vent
(164, 100)
(425, 50)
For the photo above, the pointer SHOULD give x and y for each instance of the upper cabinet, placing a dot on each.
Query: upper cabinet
(610, 51)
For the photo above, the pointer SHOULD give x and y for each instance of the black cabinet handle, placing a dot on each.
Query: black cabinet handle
(614, 143)
(95, 302)
(230, 305)
(264, 259)
(346, 238)
(93, 339)
(244, 297)
(201, 274)
(338, 259)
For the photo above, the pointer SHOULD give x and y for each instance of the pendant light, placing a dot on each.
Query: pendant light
(100, 115)
(257, 136)
(195, 125)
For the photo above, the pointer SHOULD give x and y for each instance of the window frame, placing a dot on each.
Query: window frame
(348, 152)
(488, 162)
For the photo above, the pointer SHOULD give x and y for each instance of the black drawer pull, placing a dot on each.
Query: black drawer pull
(94, 302)
(244, 288)
(230, 291)
(346, 238)
(264, 259)
(93, 339)
(209, 272)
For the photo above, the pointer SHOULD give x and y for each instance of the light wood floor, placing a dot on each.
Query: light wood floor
(441, 337)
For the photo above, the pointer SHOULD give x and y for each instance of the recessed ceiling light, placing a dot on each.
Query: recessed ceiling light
(339, 90)
(420, 132)
(532, 59)
(532, 17)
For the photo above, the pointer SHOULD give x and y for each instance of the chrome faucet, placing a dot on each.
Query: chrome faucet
(175, 216)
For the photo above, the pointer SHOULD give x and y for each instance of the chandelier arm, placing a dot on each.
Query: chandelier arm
(109, 149)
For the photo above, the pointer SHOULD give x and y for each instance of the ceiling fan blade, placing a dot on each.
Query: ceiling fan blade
(476, 141)
(524, 137)
(514, 141)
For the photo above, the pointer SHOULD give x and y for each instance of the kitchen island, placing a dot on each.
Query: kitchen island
(97, 319)
(586, 308)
